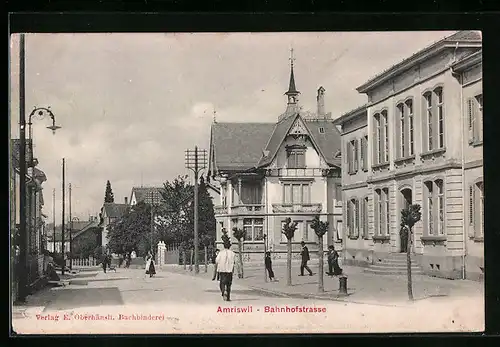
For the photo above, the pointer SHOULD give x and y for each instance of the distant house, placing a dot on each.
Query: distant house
(110, 212)
(146, 194)
(79, 227)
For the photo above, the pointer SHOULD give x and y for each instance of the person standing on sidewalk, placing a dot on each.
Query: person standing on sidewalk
(216, 273)
(304, 253)
(269, 267)
(333, 262)
(225, 266)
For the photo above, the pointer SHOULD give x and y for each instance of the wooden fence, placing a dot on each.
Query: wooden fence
(85, 262)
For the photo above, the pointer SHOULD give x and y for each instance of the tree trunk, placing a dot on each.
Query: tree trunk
(321, 287)
(240, 249)
(191, 260)
(184, 260)
(206, 259)
(408, 265)
(289, 263)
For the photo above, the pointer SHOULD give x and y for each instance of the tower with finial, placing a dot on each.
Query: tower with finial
(292, 93)
(215, 116)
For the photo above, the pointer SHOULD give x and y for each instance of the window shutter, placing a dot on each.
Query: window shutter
(365, 159)
(347, 216)
(477, 211)
(471, 211)
(356, 159)
(471, 116)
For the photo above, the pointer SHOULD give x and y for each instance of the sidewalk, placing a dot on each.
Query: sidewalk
(387, 290)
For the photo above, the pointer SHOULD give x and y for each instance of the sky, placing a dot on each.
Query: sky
(130, 104)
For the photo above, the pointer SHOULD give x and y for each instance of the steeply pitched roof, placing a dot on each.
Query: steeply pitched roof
(273, 144)
(238, 146)
(114, 210)
(143, 194)
(327, 142)
(467, 37)
(291, 87)
(243, 146)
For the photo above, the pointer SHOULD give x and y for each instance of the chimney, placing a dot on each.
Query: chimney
(126, 201)
(320, 100)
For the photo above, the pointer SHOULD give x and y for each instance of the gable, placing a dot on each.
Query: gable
(325, 142)
(298, 128)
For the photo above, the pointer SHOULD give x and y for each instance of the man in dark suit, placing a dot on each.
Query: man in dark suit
(305, 258)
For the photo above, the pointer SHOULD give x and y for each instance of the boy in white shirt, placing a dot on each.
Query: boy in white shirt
(225, 267)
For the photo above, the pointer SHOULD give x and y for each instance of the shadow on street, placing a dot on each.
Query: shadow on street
(66, 299)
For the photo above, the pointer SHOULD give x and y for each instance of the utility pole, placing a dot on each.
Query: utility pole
(63, 212)
(196, 161)
(70, 232)
(54, 219)
(152, 219)
(22, 265)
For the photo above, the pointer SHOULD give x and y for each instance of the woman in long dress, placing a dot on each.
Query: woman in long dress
(150, 265)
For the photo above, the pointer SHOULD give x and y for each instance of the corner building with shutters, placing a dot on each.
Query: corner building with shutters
(418, 140)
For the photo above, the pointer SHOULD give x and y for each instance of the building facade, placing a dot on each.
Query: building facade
(266, 172)
(415, 146)
(468, 72)
(355, 193)
(35, 219)
(110, 212)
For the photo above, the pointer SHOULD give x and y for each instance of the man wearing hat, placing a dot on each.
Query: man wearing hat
(304, 253)
(225, 267)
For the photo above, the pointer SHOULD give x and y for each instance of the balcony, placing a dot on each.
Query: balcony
(304, 172)
(248, 209)
(297, 208)
(220, 209)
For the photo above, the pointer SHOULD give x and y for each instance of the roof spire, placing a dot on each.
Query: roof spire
(215, 116)
(292, 90)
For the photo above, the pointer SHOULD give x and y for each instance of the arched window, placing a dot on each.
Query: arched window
(434, 119)
(409, 108)
(402, 129)
(434, 208)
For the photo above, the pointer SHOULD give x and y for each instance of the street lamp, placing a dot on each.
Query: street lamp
(38, 113)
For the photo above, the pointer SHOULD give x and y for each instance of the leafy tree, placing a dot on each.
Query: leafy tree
(289, 229)
(239, 234)
(132, 231)
(409, 217)
(86, 243)
(320, 228)
(108, 195)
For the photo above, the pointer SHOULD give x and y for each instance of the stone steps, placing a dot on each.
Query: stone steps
(394, 264)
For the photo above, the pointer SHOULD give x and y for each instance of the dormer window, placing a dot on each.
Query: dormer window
(321, 130)
(296, 157)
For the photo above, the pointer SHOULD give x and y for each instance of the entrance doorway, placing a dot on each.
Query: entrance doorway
(406, 201)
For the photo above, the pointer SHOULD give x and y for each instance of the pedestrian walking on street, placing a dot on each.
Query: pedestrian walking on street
(150, 265)
(104, 262)
(333, 262)
(304, 253)
(216, 273)
(225, 266)
(269, 266)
